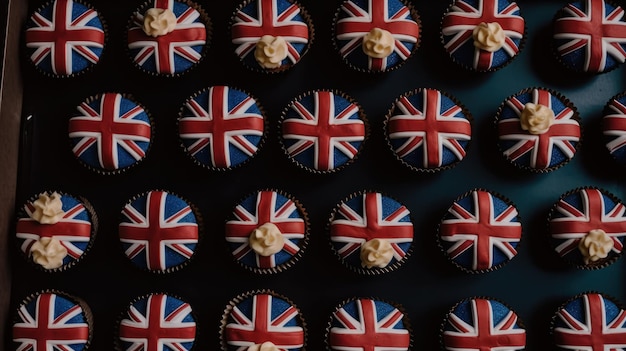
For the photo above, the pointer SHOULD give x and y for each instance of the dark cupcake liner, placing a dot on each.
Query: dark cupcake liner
(112, 172)
(529, 169)
(362, 117)
(610, 259)
(358, 269)
(303, 244)
(283, 68)
(199, 221)
(620, 161)
(248, 294)
(259, 146)
(468, 269)
(390, 113)
(93, 217)
(204, 18)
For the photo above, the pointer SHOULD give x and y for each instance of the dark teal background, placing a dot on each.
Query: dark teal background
(534, 283)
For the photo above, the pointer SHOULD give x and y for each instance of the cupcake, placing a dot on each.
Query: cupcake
(65, 38)
(480, 323)
(262, 320)
(52, 320)
(323, 130)
(267, 231)
(428, 130)
(168, 37)
(614, 128)
(271, 35)
(483, 35)
(480, 231)
(369, 324)
(110, 132)
(376, 35)
(221, 127)
(538, 130)
(54, 230)
(590, 36)
(157, 322)
(371, 233)
(162, 241)
(587, 227)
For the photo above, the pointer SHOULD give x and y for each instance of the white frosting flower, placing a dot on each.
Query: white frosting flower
(595, 245)
(48, 208)
(536, 118)
(270, 51)
(378, 43)
(488, 36)
(157, 22)
(266, 240)
(376, 253)
(266, 346)
(48, 252)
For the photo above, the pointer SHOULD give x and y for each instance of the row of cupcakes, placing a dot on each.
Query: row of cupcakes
(371, 233)
(169, 37)
(263, 320)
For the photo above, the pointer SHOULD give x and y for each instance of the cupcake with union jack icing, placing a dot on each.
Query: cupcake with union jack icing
(159, 231)
(589, 36)
(483, 35)
(480, 232)
(271, 36)
(428, 130)
(267, 232)
(376, 35)
(221, 127)
(168, 37)
(587, 227)
(323, 131)
(538, 130)
(55, 230)
(262, 320)
(614, 127)
(371, 233)
(482, 323)
(65, 38)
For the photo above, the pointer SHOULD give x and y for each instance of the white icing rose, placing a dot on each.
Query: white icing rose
(488, 36)
(595, 245)
(378, 43)
(48, 252)
(266, 240)
(157, 22)
(48, 208)
(270, 51)
(266, 346)
(536, 118)
(376, 253)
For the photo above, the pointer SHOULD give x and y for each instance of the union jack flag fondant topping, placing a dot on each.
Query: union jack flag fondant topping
(368, 325)
(465, 15)
(158, 322)
(356, 18)
(221, 127)
(74, 230)
(158, 231)
(480, 231)
(267, 206)
(367, 216)
(262, 317)
(278, 18)
(323, 130)
(614, 128)
(65, 37)
(110, 132)
(428, 130)
(581, 211)
(544, 151)
(483, 325)
(174, 52)
(49, 322)
(590, 36)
